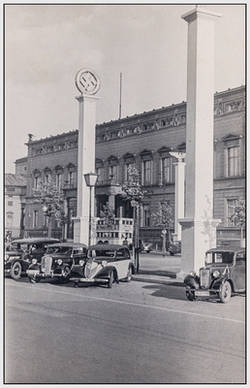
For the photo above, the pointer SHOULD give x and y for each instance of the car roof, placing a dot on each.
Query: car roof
(69, 244)
(102, 247)
(230, 249)
(34, 240)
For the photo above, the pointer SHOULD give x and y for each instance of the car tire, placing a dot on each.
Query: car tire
(16, 271)
(190, 295)
(225, 292)
(111, 279)
(66, 276)
(129, 275)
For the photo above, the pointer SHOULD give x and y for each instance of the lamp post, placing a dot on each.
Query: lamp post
(135, 205)
(47, 212)
(90, 179)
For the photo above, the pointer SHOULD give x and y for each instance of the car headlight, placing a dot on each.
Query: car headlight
(81, 262)
(104, 262)
(34, 261)
(216, 274)
(6, 258)
(192, 273)
(59, 261)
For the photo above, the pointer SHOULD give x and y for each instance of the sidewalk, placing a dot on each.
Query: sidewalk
(154, 268)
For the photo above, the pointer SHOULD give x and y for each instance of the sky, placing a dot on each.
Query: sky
(45, 46)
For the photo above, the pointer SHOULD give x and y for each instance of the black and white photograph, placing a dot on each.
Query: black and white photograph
(124, 193)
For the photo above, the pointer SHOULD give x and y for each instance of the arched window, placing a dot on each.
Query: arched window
(129, 162)
(166, 166)
(146, 167)
(36, 179)
(58, 176)
(99, 168)
(113, 168)
(71, 175)
(47, 175)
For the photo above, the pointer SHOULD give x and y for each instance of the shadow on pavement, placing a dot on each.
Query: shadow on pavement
(169, 292)
(169, 274)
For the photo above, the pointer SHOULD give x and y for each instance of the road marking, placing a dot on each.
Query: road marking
(127, 303)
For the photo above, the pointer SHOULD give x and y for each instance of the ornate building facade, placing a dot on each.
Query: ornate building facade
(144, 140)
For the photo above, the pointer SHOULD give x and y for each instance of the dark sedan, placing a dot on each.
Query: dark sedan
(20, 253)
(59, 262)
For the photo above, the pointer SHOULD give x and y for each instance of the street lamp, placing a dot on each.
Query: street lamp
(135, 205)
(90, 180)
(47, 212)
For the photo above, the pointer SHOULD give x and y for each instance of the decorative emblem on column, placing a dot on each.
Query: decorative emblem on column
(87, 82)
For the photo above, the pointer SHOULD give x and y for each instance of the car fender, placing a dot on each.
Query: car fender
(12, 262)
(34, 266)
(216, 284)
(108, 269)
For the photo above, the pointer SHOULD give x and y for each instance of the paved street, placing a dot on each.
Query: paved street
(139, 332)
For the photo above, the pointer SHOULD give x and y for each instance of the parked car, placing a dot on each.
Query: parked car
(59, 261)
(223, 274)
(20, 253)
(174, 248)
(107, 263)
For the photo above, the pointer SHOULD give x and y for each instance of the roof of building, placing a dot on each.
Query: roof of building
(20, 160)
(137, 115)
(15, 180)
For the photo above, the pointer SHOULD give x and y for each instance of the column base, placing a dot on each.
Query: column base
(198, 236)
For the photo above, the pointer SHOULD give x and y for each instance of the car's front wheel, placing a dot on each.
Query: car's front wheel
(16, 271)
(225, 292)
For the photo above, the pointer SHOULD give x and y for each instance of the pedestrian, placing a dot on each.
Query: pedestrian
(125, 241)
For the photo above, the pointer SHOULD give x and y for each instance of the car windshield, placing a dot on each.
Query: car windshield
(63, 250)
(219, 258)
(104, 253)
(17, 247)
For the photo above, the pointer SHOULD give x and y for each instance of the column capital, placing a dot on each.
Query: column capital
(192, 15)
(180, 156)
(83, 97)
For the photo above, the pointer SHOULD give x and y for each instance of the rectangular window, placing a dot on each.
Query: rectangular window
(99, 174)
(127, 166)
(233, 161)
(47, 179)
(146, 216)
(167, 170)
(36, 182)
(71, 178)
(10, 203)
(231, 203)
(35, 219)
(59, 180)
(113, 172)
(147, 172)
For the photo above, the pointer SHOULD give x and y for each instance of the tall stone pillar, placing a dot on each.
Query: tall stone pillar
(87, 82)
(198, 226)
(179, 192)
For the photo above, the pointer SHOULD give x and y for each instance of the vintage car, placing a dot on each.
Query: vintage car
(145, 247)
(59, 262)
(174, 248)
(20, 253)
(224, 274)
(107, 263)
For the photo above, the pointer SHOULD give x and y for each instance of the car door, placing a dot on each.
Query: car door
(239, 272)
(122, 262)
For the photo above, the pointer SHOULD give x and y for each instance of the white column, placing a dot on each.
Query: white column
(179, 192)
(198, 226)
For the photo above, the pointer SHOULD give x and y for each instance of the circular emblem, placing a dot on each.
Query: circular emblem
(87, 82)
